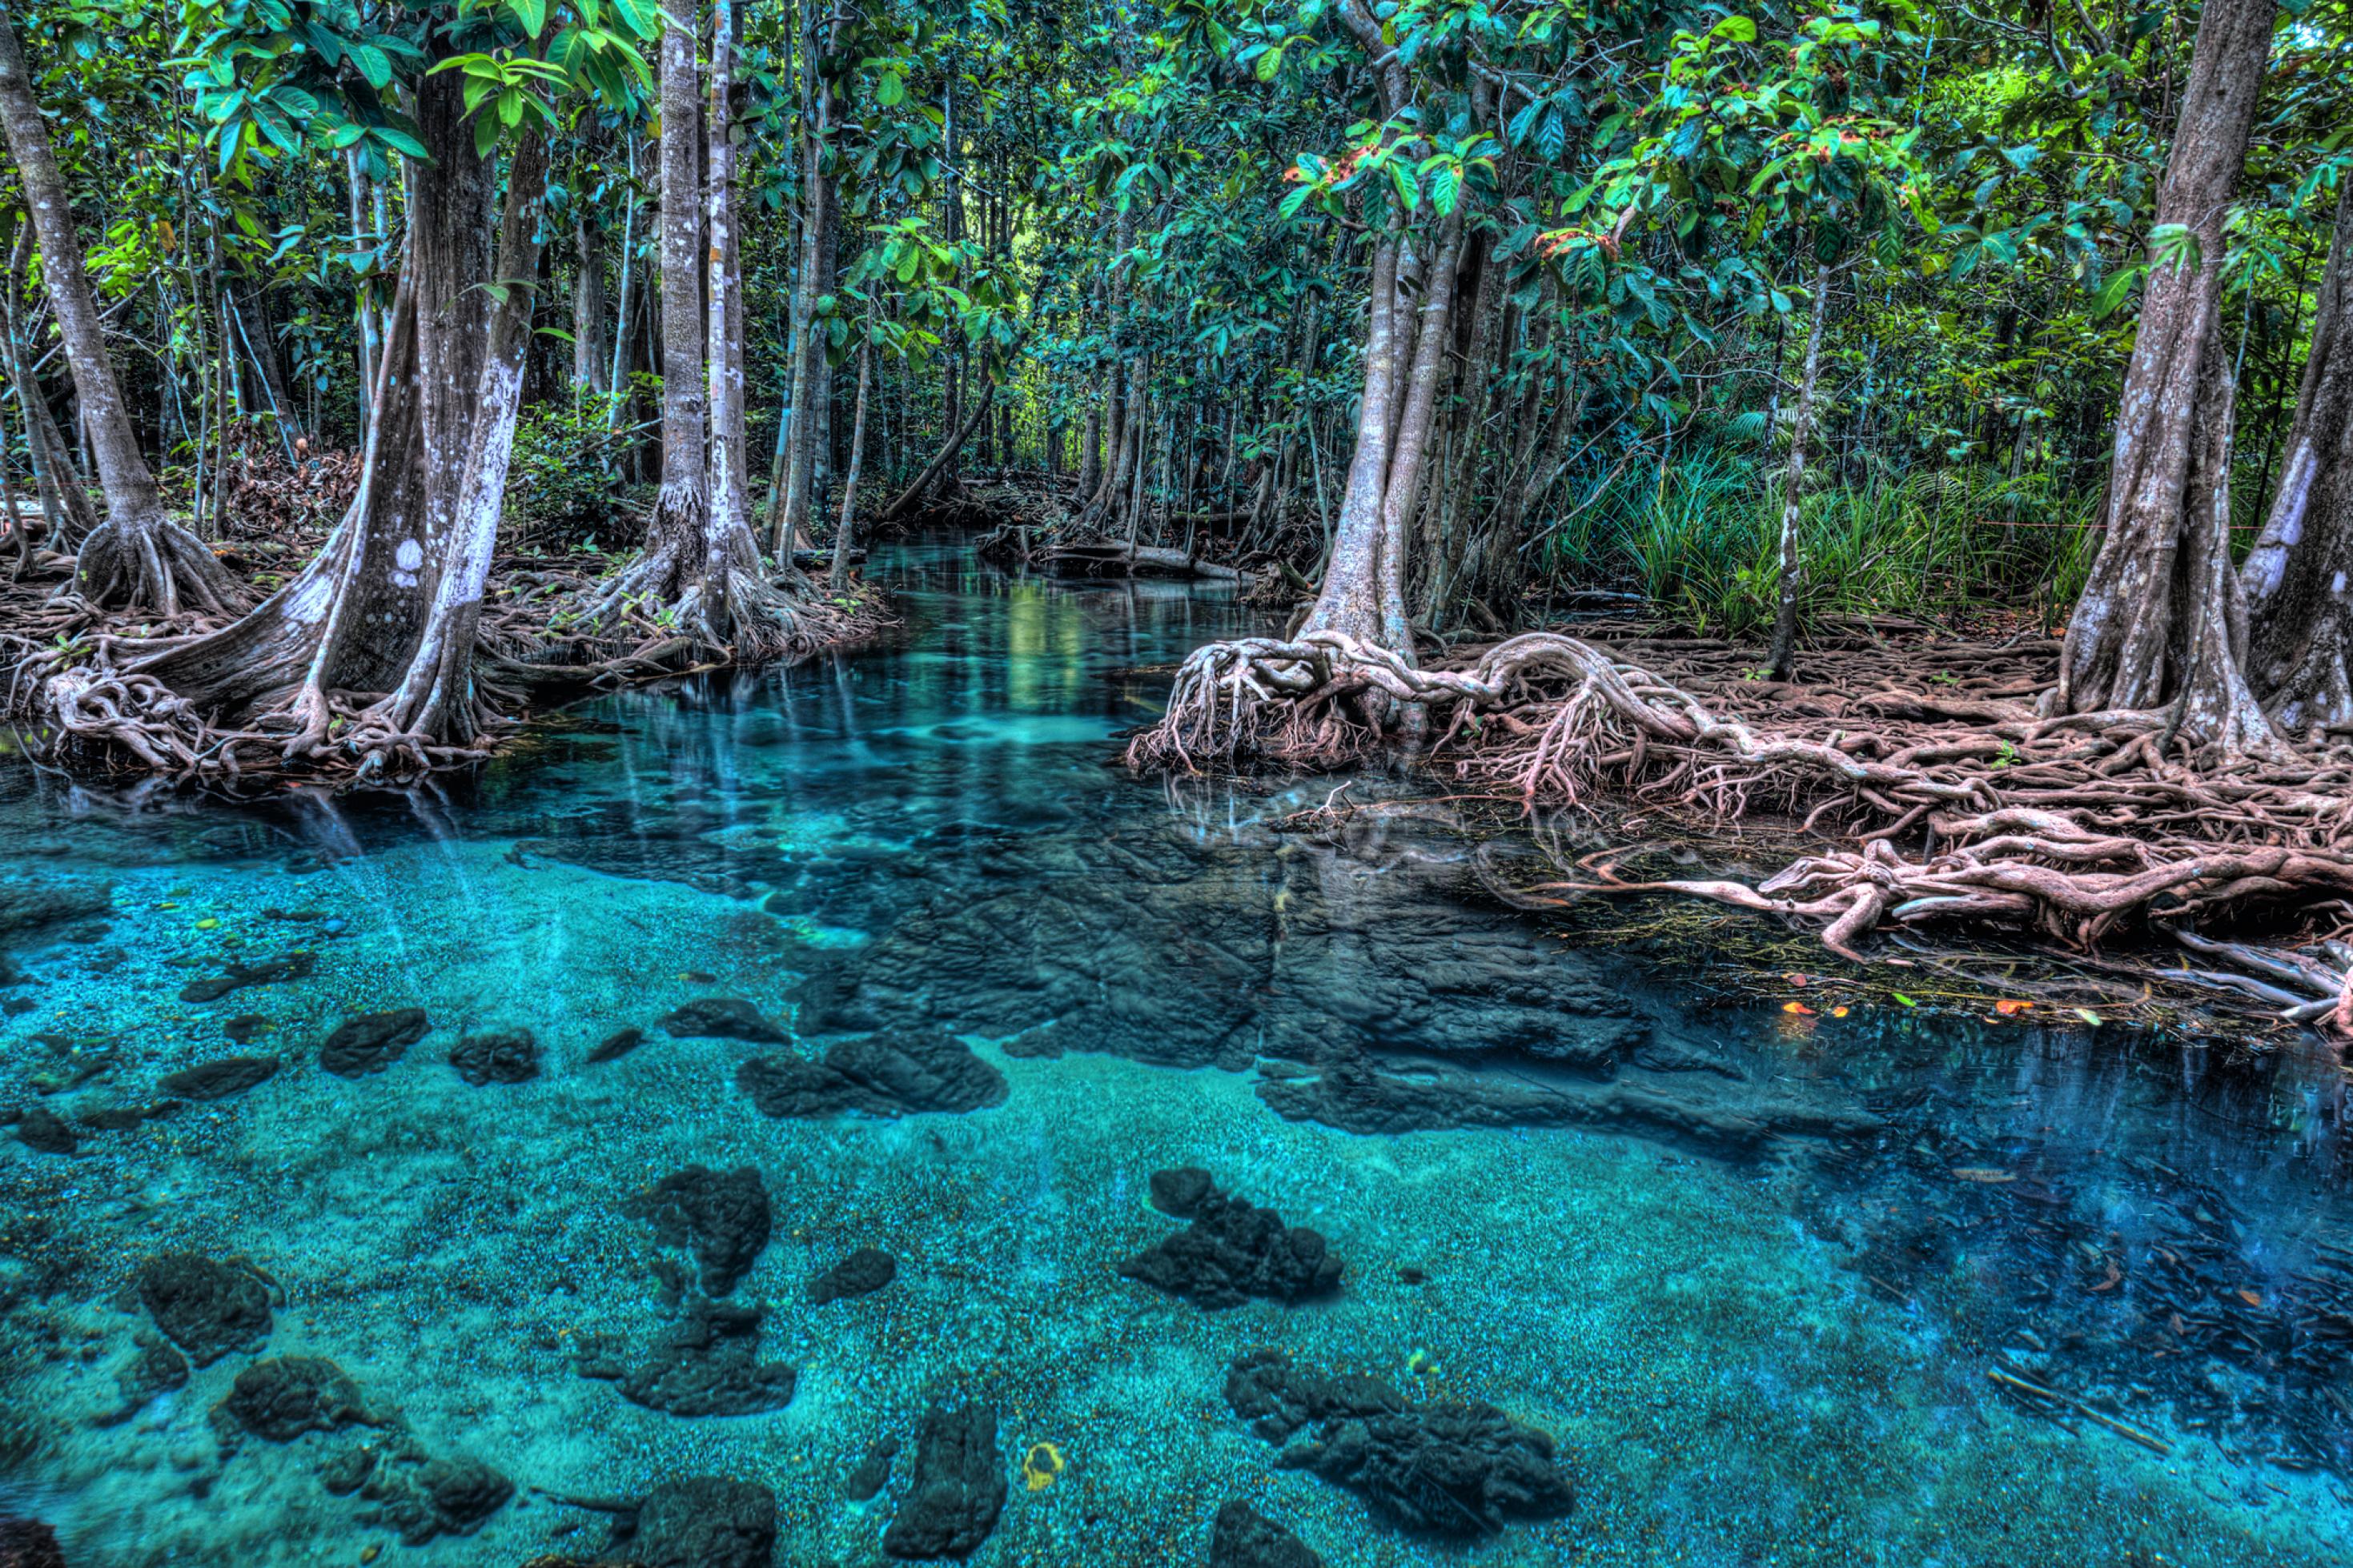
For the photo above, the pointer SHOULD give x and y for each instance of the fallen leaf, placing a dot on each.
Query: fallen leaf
(2251, 1298)
(1795, 1007)
(1985, 1173)
(1794, 979)
(1837, 1012)
(2011, 1006)
(2115, 1275)
(1904, 1000)
(2089, 1017)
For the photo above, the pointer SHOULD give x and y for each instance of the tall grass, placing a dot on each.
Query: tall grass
(1700, 541)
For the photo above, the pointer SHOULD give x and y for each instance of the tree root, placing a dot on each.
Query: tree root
(1964, 809)
(162, 567)
(95, 699)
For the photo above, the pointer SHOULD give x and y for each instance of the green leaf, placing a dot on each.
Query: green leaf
(1268, 64)
(532, 13)
(1739, 29)
(486, 134)
(891, 91)
(2114, 292)
(401, 142)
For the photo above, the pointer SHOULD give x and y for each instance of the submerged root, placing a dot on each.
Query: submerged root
(1954, 809)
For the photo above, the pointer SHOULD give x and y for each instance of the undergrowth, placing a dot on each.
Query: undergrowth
(1699, 540)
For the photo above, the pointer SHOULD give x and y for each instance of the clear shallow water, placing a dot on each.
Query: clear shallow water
(1749, 1271)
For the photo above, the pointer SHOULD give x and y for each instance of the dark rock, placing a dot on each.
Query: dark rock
(219, 1079)
(32, 903)
(237, 976)
(880, 1075)
(618, 1044)
(861, 1273)
(704, 1521)
(158, 1368)
(507, 1056)
(371, 1042)
(123, 1117)
(1232, 1251)
(417, 1494)
(16, 1007)
(1243, 1537)
(1353, 1094)
(1180, 1193)
(708, 1365)
(281, 1397)
(959, 1487)
(873, 1472)
(28, 1543)
(724, 1018)
(244, 1026)
(40, 1130)
(210, 1309)
(724, 1218)
(1450, 1468)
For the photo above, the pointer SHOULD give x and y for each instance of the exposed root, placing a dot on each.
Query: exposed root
(167, 704)
(162, 567)
(1968, 808)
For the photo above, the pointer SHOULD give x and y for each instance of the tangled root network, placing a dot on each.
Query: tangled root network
(1962, 804)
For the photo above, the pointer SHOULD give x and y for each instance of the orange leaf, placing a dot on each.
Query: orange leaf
(2009, 1006)
(2251, 1298)
(1794, 979)
(1797, 1007)
(1837, 1012)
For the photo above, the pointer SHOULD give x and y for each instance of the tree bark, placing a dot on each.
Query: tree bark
(790, 524)
(844, 533)
(139, 556)
(2298, 578)
(592, 361)
(2155, 619)
(1793, 487)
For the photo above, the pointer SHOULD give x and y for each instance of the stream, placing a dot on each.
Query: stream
(434, 1178)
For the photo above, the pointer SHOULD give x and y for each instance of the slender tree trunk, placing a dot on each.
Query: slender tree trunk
(592, 362)
(1416, 419)
(1793, 487)
(1350, 600)
(2144, 633)
(845, 534)
(138, 556)
(790, 512)
(2298, 578)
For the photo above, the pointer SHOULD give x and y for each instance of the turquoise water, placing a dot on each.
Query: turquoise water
(1739, 1279)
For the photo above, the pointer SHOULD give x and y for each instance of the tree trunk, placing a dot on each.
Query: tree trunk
(790, 513)
(1350, 600)
(2297, 577)
(845, 534)
(2153, 623)
(592, 360)
(386, 605)
(138, 556)
(1793, 487)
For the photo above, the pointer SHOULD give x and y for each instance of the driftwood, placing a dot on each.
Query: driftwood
(1134, 560)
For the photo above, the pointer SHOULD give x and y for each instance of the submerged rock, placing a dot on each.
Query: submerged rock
(725, 1219)
(30, 902)
(704, 1521)
(1449, 1468)
(619, 1043)
(281, 1397)
(41, 1130)
(237, 976)
(28, 1543)
(724, 1018)
(861, 1273)
(708, 1365)
(1232, 1251)
(219, 1079)
(873, 1472)
(506, 1056)
(244, 1026)
(1352, 1093)
(959, 1487)
(880, 1075)
(1244, 1538)
(210, 1309)
(417, 1494)
(158, 1368)
(1179, 1193)
(371, 1042)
